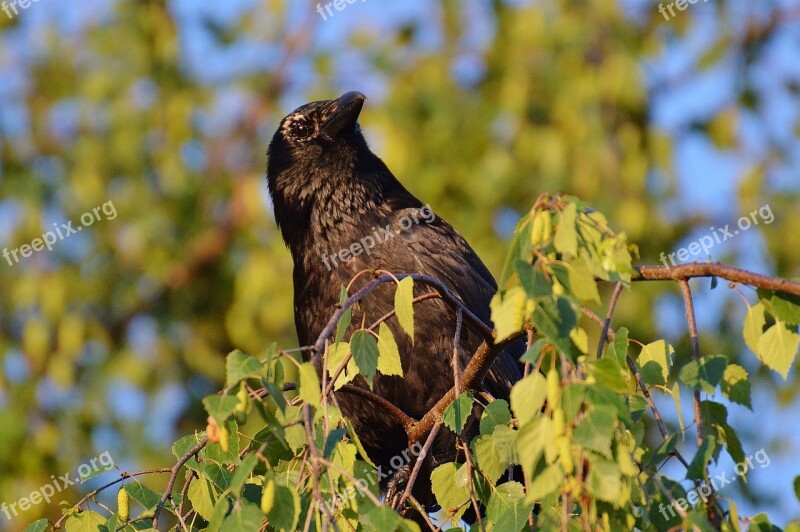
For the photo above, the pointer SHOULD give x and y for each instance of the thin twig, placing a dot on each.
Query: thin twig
(401, 417)
(686, 291)
(471, 484)
(611, 306)
(174, 475)
(415, 503)
(123, 476)
(412, 478)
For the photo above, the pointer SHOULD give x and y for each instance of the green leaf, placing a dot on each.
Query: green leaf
(450, 494)
(518, 249)
(533, 280)
(38, 526)
(218, 516)
(244, 517)
(533, 353)
(596, 430)
(404, 305)
(605, 480)
(715, 420)
(582, 283)
(761, 523)
(344, 455)
(344, 319)
(357, 441)
(494, 453)
(309, 390)
(382, 518)
(99, 470)
(572, 396)
(656, 457)
(334, 437)
(364, 347)
(455, 415)
(527, 397)
(704, 374)
(676, 397)
(495, 414)
(276, 394)
(555, 319)
(619, 347)
(507, 508)
(785, 307)
(239, 366)
(142, 494)
(654, 362)
(608, 372)
(533, 440)
(295, 433)
(697, 467)
(336, 356)
(508, 311)
(389, 355)
(285, 510)
(217, 474)
(545, 483)
(184, 445)
(580, 339)
(220, 407)
(201, 497)
(797, 487)
(84, 522)
(242, 473)
(754, 326)
(566, 239)
(736, 385)
(778, 347)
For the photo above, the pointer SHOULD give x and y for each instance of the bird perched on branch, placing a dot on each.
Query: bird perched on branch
(330, 193)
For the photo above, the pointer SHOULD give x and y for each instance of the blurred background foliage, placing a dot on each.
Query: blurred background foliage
(108, 342)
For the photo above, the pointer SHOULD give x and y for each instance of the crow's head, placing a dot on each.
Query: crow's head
(320, 169)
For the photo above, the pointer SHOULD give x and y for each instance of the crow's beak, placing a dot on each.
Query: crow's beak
(345, 114)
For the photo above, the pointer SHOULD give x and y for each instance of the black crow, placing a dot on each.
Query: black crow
(329, 192)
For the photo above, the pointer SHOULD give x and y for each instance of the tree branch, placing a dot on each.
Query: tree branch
(194, 451)
(715, 269)
(474, 373)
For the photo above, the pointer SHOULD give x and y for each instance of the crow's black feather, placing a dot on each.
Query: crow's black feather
(330, 191)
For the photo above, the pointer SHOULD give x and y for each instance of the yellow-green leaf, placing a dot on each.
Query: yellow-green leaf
(778, 347)
(404, 305)
(309, 384)
(508, 311)
(388, 354)
(754, 326)
(566, 239)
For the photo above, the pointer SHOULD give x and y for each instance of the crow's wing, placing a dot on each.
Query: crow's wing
(440, 251)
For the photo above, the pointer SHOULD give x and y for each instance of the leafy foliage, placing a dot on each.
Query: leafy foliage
(577, 431)
(111, 340)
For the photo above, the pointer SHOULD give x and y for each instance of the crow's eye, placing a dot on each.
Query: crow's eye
(301, 129)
